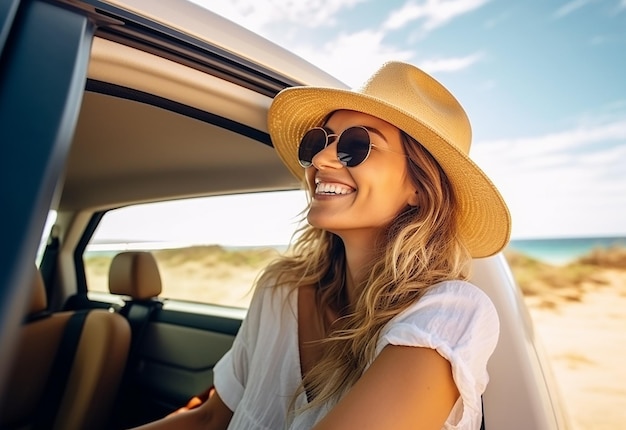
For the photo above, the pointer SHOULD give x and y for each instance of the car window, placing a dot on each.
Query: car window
(47, 231)
(208, 250)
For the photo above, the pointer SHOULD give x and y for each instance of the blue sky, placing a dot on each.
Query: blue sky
(544, 84)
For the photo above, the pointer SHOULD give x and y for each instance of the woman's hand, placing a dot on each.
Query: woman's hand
(210, 415)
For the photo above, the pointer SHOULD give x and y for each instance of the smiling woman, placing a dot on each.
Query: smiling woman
(350, 311)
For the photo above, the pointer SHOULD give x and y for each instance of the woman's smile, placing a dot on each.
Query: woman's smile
(323, 188)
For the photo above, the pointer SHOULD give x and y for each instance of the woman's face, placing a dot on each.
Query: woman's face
(359, 200)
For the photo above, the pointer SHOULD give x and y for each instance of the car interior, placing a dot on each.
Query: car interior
(162, 121)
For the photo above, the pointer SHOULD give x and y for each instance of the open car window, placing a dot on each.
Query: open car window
(209, 250)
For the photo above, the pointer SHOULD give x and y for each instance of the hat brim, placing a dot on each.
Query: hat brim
(484, 219)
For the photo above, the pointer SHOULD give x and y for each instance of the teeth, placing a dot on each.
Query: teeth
(326, 188)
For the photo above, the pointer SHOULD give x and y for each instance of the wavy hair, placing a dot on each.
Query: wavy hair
(421, 247)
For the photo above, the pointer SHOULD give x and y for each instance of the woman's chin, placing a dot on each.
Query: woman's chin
(324, 221)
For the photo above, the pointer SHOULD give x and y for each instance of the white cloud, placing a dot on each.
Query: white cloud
(606, 157)
(451, 64)
(260, 15)
(434, 13)
(598, 39)
(571, 182)
(353, 57)
(568, 140)
(350, 56)
(570, 7)
(497, 20)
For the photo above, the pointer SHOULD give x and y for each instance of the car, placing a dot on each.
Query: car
(106, 106)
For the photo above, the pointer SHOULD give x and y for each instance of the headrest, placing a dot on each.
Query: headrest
(38, 300)
(135, 274)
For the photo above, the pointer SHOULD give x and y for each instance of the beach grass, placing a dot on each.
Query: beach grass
(613, 257)
(215, 274)
(548, 284)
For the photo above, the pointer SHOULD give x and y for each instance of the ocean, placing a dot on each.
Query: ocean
(563, 250)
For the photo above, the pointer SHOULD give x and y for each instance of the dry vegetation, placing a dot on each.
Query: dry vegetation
(220, 275)
(546, 285)
(209, 274)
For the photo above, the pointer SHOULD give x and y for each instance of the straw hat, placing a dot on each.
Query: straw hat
(413, 101)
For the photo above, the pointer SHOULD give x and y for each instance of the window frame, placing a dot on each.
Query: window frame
(177, 209)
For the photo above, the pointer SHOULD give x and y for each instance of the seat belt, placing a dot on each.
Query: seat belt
(50, 401)
(49, 260)
(138, 314)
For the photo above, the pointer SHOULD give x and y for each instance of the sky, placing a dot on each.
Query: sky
(543, 82)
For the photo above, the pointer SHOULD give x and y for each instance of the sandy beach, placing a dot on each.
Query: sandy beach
(585, 338)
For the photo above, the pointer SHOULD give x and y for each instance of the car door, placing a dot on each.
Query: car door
(44, 56)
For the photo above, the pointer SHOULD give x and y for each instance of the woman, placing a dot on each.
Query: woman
(368, 322)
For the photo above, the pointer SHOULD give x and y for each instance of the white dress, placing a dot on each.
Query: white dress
(257, 378)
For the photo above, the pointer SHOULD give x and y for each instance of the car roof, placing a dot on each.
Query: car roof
(175, 106)
(204, 25)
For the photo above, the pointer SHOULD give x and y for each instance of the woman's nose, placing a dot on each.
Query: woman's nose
(327, 157)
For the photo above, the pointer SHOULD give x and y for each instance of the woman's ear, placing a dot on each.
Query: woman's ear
(414, 199)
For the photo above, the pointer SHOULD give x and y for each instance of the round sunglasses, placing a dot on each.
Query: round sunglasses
(353, 145)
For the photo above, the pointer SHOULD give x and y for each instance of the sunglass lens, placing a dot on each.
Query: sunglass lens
(353, 146)
(312, 142)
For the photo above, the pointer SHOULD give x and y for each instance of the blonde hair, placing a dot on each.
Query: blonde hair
(421, 248)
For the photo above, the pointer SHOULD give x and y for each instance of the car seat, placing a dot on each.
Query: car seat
(83, 396)
(135, 276)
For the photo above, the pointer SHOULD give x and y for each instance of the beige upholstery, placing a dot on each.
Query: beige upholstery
(93, 381)
(135, 274)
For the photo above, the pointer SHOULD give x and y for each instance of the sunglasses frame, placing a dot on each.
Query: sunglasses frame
(328, 136)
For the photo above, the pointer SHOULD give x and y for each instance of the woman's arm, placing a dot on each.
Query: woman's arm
(404, 388)
(211, 415)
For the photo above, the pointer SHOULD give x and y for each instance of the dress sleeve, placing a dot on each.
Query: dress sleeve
(230, 373)
(460, 322)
